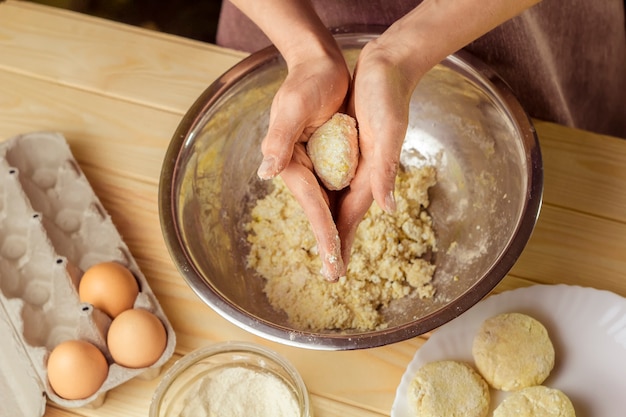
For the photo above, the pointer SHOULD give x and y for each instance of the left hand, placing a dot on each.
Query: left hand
(380, 102)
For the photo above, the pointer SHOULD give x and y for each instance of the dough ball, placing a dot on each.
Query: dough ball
(448, 388)
(513, 351)
(334, 151)
(537, 401)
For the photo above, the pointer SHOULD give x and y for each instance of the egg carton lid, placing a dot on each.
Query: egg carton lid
(22, 392)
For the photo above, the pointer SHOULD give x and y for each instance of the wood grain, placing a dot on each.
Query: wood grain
(118, 93)
(583, 171)
(577, 248)
(112, 59)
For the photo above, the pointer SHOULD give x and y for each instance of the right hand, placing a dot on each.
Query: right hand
(314, 89)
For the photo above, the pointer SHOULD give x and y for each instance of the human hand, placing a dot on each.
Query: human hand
(380, 101)
(387, 72)
(313, 91)
(381, 93)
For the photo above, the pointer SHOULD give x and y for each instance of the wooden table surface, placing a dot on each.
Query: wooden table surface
(118, 93)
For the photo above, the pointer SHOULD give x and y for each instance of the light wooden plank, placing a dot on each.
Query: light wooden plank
(583, 171)
(112, 138)
(326, 407)
(575, 248)
(52, 411)
(115, 59)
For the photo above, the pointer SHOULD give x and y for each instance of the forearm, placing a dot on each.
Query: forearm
(437, 28)
(293, 26)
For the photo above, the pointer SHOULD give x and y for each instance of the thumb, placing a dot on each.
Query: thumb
(288, 119)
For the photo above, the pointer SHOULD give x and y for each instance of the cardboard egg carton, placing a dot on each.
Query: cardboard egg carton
(52, 228)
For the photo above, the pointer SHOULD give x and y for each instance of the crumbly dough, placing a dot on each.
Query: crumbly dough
(513, 351)
(537, 401)
(334, 151)
(386, 264)
(448, 388)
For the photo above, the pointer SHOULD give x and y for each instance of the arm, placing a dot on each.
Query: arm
(318, 77)
(293, 26)
(315, 88)
(387, 72)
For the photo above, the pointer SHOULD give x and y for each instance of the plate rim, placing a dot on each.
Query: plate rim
(564, 290)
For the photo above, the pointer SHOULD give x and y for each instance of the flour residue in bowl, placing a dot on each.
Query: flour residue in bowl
(239, 391)
(388, 258)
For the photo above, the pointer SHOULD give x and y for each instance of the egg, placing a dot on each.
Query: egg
(136, 338)
(110, 287)
(76, 369)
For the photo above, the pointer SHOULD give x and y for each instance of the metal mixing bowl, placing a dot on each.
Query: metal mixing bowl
(463, 119)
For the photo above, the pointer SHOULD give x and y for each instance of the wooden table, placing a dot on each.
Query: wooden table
(117, 93)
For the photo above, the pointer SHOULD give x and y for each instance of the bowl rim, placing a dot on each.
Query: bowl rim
(462, 60)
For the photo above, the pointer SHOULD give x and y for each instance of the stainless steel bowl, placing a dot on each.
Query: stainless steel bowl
(463, 118)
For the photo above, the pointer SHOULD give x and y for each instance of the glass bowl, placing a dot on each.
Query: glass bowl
(238, 378)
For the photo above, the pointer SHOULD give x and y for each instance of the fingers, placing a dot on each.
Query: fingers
(315, 88)
(382, 145)
(352, 206)
(299, 178)
(380, 102)
(286, 125)
(309, 96)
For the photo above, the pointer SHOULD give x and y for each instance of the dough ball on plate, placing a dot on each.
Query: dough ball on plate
(334, 151)
(513, 351)
(537, 401)
(448, 388)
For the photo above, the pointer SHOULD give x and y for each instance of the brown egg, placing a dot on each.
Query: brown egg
(76, 369)
(136, 338)
(110, 287)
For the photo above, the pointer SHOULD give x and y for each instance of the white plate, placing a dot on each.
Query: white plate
(588, 330)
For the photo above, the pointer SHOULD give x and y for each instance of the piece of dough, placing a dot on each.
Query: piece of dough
(513, 351)
(334, 151)
(537, 401)
(448, 388)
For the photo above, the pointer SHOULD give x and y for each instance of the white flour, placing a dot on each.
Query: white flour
(239, 392)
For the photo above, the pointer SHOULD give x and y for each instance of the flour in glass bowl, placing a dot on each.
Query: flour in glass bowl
(240, 391)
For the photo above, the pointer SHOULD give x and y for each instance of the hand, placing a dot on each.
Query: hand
(313, 91)
(387, 72)
(380, 102)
